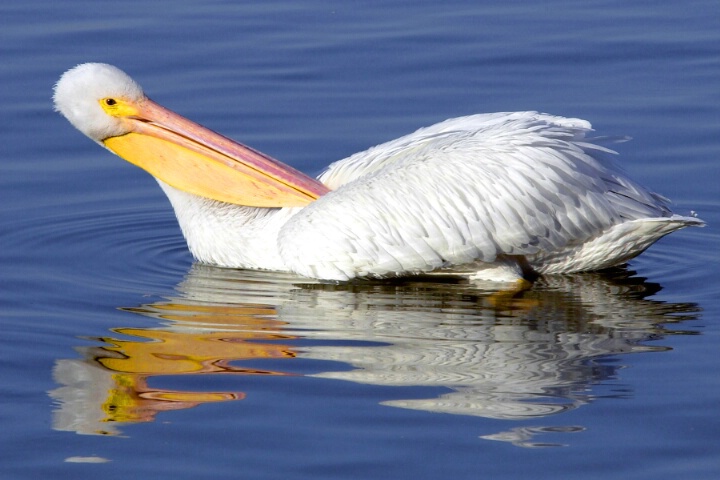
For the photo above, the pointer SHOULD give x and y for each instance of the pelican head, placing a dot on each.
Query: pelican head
(108, 106)
(92, 97)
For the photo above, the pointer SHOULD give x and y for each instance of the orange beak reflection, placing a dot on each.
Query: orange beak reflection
(219, 339)
(197, 160)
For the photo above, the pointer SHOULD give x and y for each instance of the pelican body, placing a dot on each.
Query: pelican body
(497, 197)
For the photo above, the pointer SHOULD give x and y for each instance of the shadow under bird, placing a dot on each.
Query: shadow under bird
(498, 197)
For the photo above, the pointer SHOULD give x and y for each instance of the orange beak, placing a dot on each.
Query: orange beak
(197, 160)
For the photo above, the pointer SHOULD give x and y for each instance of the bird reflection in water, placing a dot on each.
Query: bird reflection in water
(110, 385)
(520, 357)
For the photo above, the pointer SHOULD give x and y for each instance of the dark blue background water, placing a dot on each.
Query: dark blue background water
(120, 359)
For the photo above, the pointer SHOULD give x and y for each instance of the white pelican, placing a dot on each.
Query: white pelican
(498, 197)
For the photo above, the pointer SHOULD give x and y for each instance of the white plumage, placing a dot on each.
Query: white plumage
(496, 196)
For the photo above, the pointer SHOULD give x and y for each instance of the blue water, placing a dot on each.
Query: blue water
(121, 359)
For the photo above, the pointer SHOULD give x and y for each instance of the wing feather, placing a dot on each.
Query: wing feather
(465, 190)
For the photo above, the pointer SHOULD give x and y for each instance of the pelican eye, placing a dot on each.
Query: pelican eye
(118, 107)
